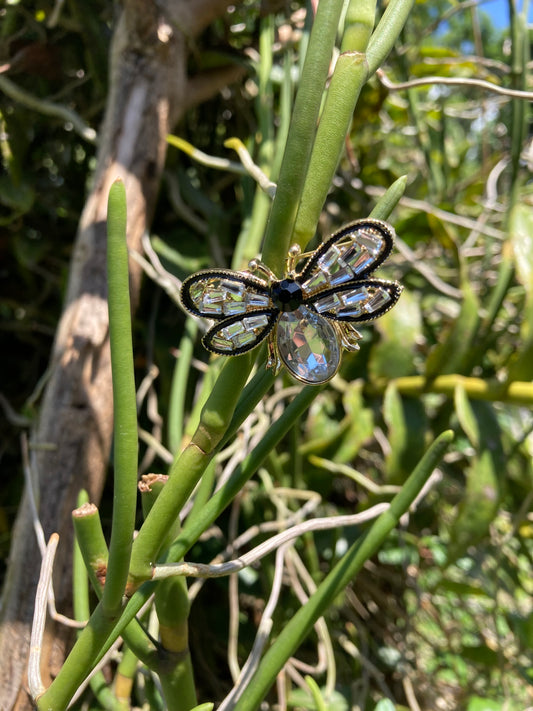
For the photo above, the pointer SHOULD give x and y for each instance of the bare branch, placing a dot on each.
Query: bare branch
(454, 81)
(202, 570)
(47, 108)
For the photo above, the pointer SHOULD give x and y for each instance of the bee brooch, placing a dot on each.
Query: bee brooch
(309, 315)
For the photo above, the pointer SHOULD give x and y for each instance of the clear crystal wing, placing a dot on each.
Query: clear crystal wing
(349, 255)
(363, 301)
(220, 294)
(239, 334)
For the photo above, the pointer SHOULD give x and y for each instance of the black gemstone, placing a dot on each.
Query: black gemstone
(286, 295)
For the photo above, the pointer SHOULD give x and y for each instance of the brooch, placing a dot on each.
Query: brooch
(309, 315)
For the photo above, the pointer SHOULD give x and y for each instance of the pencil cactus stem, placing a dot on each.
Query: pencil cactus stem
(124, 402)
(358, 25)
(351, 72)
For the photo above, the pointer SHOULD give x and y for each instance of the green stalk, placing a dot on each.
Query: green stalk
(124, 404)
(387, 32)
(514, 393)
(172, 607)
(78, 663)
(194, 527)
(388, 201)
(92, 544)
(190, 465)
(93, 643)
(352, 70)
(125, 676)
(301, 134)
(519, 59)
(178, 389)
(358, 25)
(93, 548)
(299, 626)
(350, 74)
(82, 611)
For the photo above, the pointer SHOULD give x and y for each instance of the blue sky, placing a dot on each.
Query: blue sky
(499, 11)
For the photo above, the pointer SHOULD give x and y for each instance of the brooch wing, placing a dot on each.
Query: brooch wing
(239, 303)
(335, 280)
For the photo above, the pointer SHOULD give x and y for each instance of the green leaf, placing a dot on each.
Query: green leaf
(449, 355)
(400, 329)
(483, 491)
(16, 196)
(300, 698)
(407, 424)
(361, 425)
(480, 654)
(476, 703)
(466, 416)
(521, 239)
(385, 705)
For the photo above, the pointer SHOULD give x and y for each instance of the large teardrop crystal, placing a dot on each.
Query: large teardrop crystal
(308, 345)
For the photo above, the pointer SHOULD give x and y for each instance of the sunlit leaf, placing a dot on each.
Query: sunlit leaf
(452, 351)
(300, 698)
(406, 421)
(521, 237)
(400, 329)
(361, 423)
(476, 703)
(483, 478)
(385, 705)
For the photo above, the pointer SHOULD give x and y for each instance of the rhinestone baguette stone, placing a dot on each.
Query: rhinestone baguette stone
(308, 345)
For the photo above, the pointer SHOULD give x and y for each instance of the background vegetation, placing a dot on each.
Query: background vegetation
(442, 617)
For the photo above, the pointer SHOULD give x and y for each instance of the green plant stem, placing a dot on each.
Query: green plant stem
(351, 72)
(178, 388)
(252, 394)
(358, 25)
(124, 677)
(124, 403)
(519, 60)
(515, 393)
(76, 666)
(91, 541)
(388, 201)
(387, 32)
(178, 686)
(189, 465)
(172, 607)
(194, 527)
(342, 574)
(301, 134)
(82, 611)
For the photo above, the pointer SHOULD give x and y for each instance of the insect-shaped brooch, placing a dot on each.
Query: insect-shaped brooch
(309, 315)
